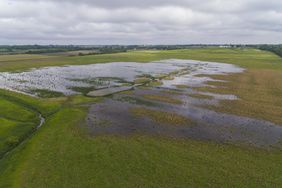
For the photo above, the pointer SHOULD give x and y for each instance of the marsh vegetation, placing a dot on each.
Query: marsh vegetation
(199, 130)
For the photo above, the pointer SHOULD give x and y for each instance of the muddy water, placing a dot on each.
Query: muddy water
(64, 79)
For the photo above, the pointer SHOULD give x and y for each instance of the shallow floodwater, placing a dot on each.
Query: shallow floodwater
(114, 117)
(64, 79)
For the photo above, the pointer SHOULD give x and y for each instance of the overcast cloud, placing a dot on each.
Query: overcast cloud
(140, 21)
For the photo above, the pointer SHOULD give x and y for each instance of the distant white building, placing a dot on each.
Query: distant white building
(225, 46)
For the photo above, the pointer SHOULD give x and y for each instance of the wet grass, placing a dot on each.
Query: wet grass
(260, 93)
(181, 86)
(200, 96)
(129, 92)
(44, 93)
(61, 154)
(174, 92)
(154, 83)
(142, 80)
(165, 99)
(83, 90)
(138, 101)
(100, 81)
(161, 116)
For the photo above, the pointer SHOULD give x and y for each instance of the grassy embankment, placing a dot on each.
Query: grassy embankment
(61, 154)
(19, 117)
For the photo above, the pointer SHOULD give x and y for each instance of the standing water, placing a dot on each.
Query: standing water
(64, 79)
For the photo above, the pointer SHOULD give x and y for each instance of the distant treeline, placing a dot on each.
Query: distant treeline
(35, 48)
(45, 49)
(105, 49)
(96, 49)
(277, 49)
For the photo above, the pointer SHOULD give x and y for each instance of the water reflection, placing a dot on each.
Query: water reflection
(63, 79)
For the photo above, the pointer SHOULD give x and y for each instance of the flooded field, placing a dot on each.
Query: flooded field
(68, 79)
(118, 116)
(169, 105)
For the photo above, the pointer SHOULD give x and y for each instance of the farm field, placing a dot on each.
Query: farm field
(150, 136)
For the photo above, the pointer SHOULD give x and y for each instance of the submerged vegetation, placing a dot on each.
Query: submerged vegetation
(200, 96)
(162, 116)
(138, 101)
(163, 99)
(181, 86)
(260, 93)
(44, 93)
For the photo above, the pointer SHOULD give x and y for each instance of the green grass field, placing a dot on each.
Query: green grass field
(249, 58)
(62, 154)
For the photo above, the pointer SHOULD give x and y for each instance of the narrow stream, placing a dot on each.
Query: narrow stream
(42, 121)
(39, 125)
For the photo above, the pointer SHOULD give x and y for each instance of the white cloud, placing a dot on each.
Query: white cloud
(132, 21)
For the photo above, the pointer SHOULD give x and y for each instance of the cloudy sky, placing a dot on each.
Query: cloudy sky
(140, 21)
